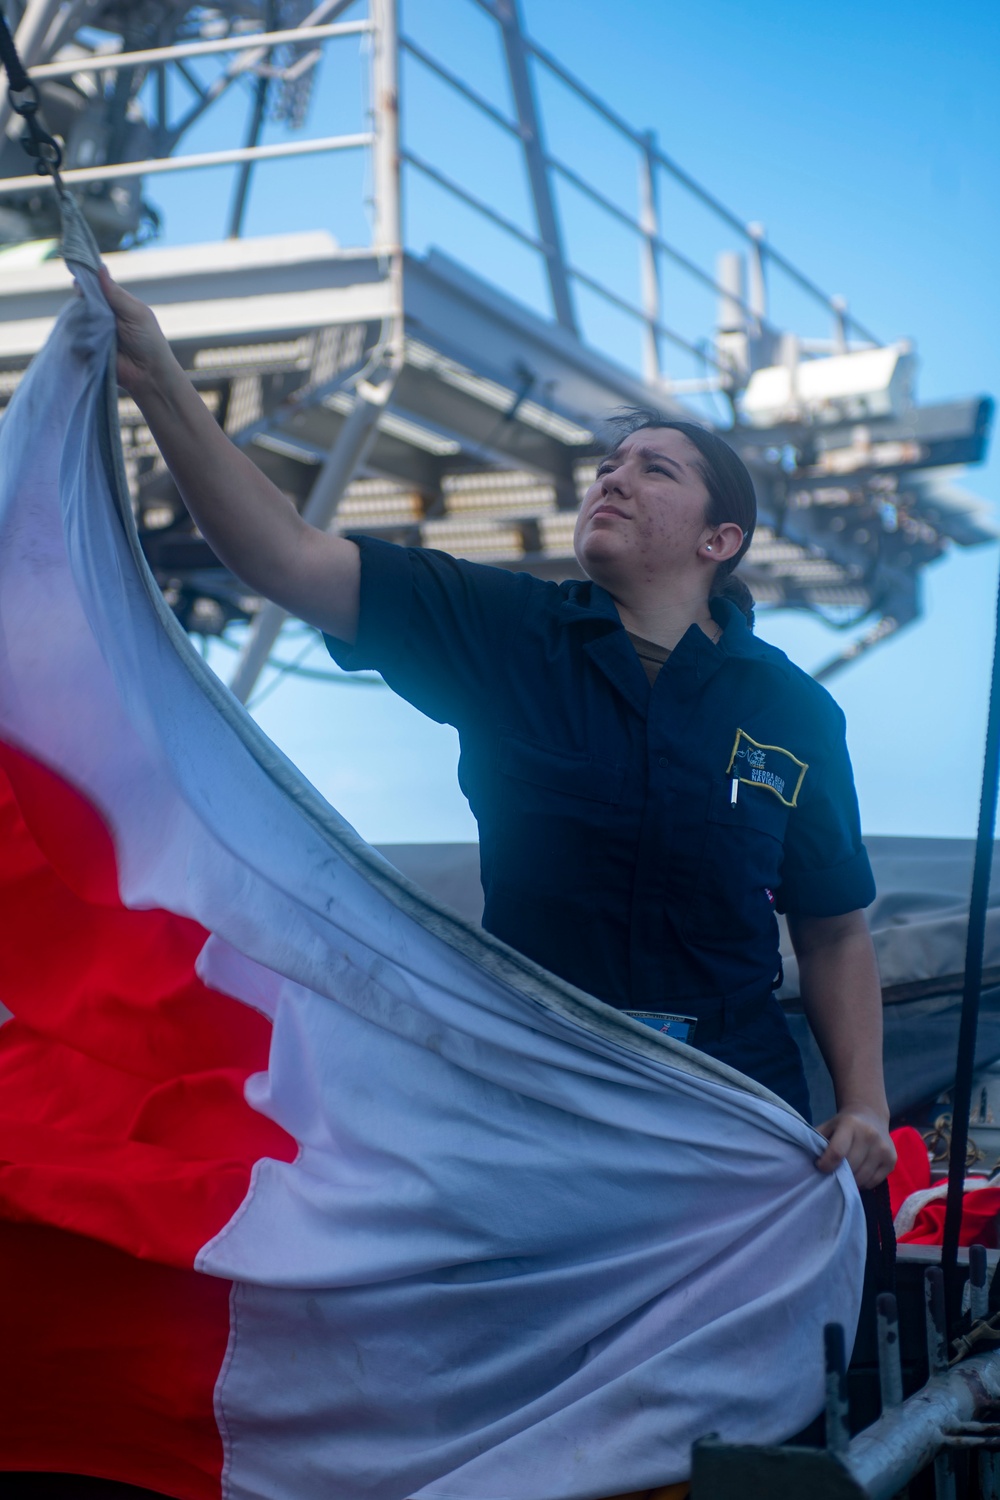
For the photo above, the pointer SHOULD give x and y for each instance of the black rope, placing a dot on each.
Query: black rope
(975, 942)
(881, 1237)
(16, 76)
(42, 147)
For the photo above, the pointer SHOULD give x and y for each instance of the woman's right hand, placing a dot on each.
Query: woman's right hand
(143, 352)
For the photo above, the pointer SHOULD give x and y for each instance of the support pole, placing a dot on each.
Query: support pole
(937, 1364)
(838, 1435)
(508, 15)
(385, 125)
(934, 1321)
(388, 221)
(649, 218)
(242, 189)
(333, 478)
(979, 1290)
(890, 1367)
(838, 306)
(731, 336)
(758, 277)
(972, 986)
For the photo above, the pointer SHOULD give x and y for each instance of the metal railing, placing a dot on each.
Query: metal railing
(151, 57)
(257, 44)
(158, 165)
(750, 232)
(654, 249)
(545, 172)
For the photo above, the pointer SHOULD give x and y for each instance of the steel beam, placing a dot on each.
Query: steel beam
(549, 232)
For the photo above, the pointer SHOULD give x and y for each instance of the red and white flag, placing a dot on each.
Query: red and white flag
(307, 1188)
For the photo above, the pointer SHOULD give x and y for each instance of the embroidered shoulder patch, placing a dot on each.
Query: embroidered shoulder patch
(777, 770)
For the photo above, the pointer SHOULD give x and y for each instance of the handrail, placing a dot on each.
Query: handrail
(258, 44)
(556, 164)
(101, 62)
(580, 183)
(448, 183)
(531, 240)
(160, 164)
(639, 140)
(574, 83)
(636, 312)
(814, 291)
(459, 85)
(662, 245)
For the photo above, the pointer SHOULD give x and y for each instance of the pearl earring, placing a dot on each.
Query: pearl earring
(708, 546)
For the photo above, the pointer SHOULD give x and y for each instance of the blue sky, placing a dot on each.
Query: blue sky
(865, 139)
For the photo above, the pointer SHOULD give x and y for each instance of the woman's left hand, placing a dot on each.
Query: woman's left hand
(860, 1137)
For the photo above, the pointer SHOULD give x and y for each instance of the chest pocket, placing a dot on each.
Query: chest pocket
(555, 771)
(732, 902)
(756, 807)
(554, 816)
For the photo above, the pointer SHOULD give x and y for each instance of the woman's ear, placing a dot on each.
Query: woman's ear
(723, 542)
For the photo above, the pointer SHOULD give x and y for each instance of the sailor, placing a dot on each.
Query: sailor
(652, 782)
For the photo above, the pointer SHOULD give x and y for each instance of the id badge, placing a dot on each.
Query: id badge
(681, 1028)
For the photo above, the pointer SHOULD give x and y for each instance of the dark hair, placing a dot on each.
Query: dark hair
(731, 494)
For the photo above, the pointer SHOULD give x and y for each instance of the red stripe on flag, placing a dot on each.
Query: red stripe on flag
(125, 1145)
(109, 1364)
(118, 985)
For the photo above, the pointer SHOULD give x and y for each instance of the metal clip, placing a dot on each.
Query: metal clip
(36, 141)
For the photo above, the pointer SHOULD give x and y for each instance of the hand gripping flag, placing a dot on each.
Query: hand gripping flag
(307, 1188)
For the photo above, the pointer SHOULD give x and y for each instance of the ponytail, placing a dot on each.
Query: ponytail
(731, 586)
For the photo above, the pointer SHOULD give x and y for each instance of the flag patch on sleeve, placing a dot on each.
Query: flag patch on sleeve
(768, 766)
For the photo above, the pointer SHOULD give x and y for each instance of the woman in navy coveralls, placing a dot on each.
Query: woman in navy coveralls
(651, 781)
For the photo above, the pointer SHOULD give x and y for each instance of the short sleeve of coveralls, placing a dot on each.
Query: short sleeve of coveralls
(440, 630)
(825, 872)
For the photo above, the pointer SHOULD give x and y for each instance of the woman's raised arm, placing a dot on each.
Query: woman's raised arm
(249, 524)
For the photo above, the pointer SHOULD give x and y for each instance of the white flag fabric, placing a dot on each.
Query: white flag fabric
(526, 1247)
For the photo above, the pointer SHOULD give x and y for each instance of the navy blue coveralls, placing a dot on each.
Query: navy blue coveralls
(613, 847)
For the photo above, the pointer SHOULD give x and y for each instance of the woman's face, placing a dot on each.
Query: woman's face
(643, 518)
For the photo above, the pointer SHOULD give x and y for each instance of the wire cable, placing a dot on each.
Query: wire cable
(971, 989)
